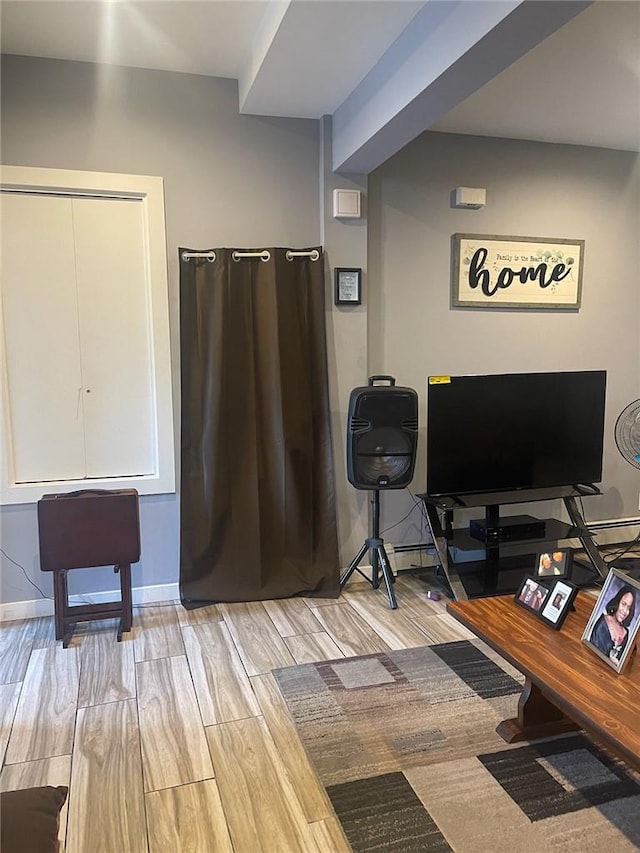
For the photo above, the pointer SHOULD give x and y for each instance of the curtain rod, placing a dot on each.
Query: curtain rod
(210, 256)
(264, 255)
(314, 254)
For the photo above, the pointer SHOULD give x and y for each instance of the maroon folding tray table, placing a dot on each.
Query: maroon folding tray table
(85, 529)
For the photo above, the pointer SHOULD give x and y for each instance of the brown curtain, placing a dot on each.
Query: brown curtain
(257, 502)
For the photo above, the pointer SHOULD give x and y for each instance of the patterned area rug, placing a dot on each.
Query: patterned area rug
(405, 745)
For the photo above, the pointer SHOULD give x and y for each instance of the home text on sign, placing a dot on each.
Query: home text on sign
(480, 276)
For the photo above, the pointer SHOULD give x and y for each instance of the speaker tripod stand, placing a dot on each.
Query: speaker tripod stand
(379, 559)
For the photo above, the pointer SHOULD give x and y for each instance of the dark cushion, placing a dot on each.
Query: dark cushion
(29, 819)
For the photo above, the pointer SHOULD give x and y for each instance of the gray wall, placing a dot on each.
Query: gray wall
(533, 189)
(254, 181)
(230, 180)
(345, 242)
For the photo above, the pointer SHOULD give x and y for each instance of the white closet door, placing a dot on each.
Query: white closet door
(115, 336)
(41, 338)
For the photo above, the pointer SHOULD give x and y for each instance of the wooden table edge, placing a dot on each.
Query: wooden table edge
(588, 724)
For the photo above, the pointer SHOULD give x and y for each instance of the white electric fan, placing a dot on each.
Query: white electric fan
(627, 433)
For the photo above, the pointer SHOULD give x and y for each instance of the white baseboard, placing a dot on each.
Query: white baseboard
(398, 560)
(356, 577)
(26, 609)
(13, 610)
(44, 606)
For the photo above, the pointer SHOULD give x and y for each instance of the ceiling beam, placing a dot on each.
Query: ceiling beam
(311, 54)
(450, 50)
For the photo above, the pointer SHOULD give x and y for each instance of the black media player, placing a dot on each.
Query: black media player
(507, 529)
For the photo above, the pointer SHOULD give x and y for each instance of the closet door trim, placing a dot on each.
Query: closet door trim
(159, 477)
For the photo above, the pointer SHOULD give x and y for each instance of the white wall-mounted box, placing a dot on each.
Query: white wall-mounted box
(470, 197)
(346, 204)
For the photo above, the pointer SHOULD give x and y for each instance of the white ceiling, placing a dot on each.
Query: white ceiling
(308, 58)
(322, 49)
(580, 86)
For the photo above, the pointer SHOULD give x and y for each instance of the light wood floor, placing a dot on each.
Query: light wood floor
(177, 739)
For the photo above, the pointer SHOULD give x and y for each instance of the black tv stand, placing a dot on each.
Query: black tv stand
(497, 572)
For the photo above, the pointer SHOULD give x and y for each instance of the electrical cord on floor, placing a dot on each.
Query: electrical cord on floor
(423, 528)
(35, 585)
(24, 572)
(82, 598)
(614, 557)
(624, 551)
(416, 503)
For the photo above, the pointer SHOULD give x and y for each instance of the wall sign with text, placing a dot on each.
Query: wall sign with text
(348, 286)
(516, 272)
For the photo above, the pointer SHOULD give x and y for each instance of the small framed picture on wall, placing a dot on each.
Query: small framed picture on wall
(348, 286)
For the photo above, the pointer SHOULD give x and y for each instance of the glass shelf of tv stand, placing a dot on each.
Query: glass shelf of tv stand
(521, 496)
(554, 531)
(500, 570)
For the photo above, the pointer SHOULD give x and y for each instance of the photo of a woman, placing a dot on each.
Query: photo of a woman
(611, 630)
(553, 564)
(613, 625)
(545, 566)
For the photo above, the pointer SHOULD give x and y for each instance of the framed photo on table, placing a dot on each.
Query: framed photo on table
(549, 601)
(348, 286)
(559, 602)
(554, 564)
(532, 594)
(612, 629)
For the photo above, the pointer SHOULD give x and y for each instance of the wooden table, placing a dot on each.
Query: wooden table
(567, 686)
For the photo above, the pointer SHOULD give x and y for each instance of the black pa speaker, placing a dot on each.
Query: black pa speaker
(382, 435)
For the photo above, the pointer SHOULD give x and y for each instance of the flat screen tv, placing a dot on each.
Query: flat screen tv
(514, 431)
